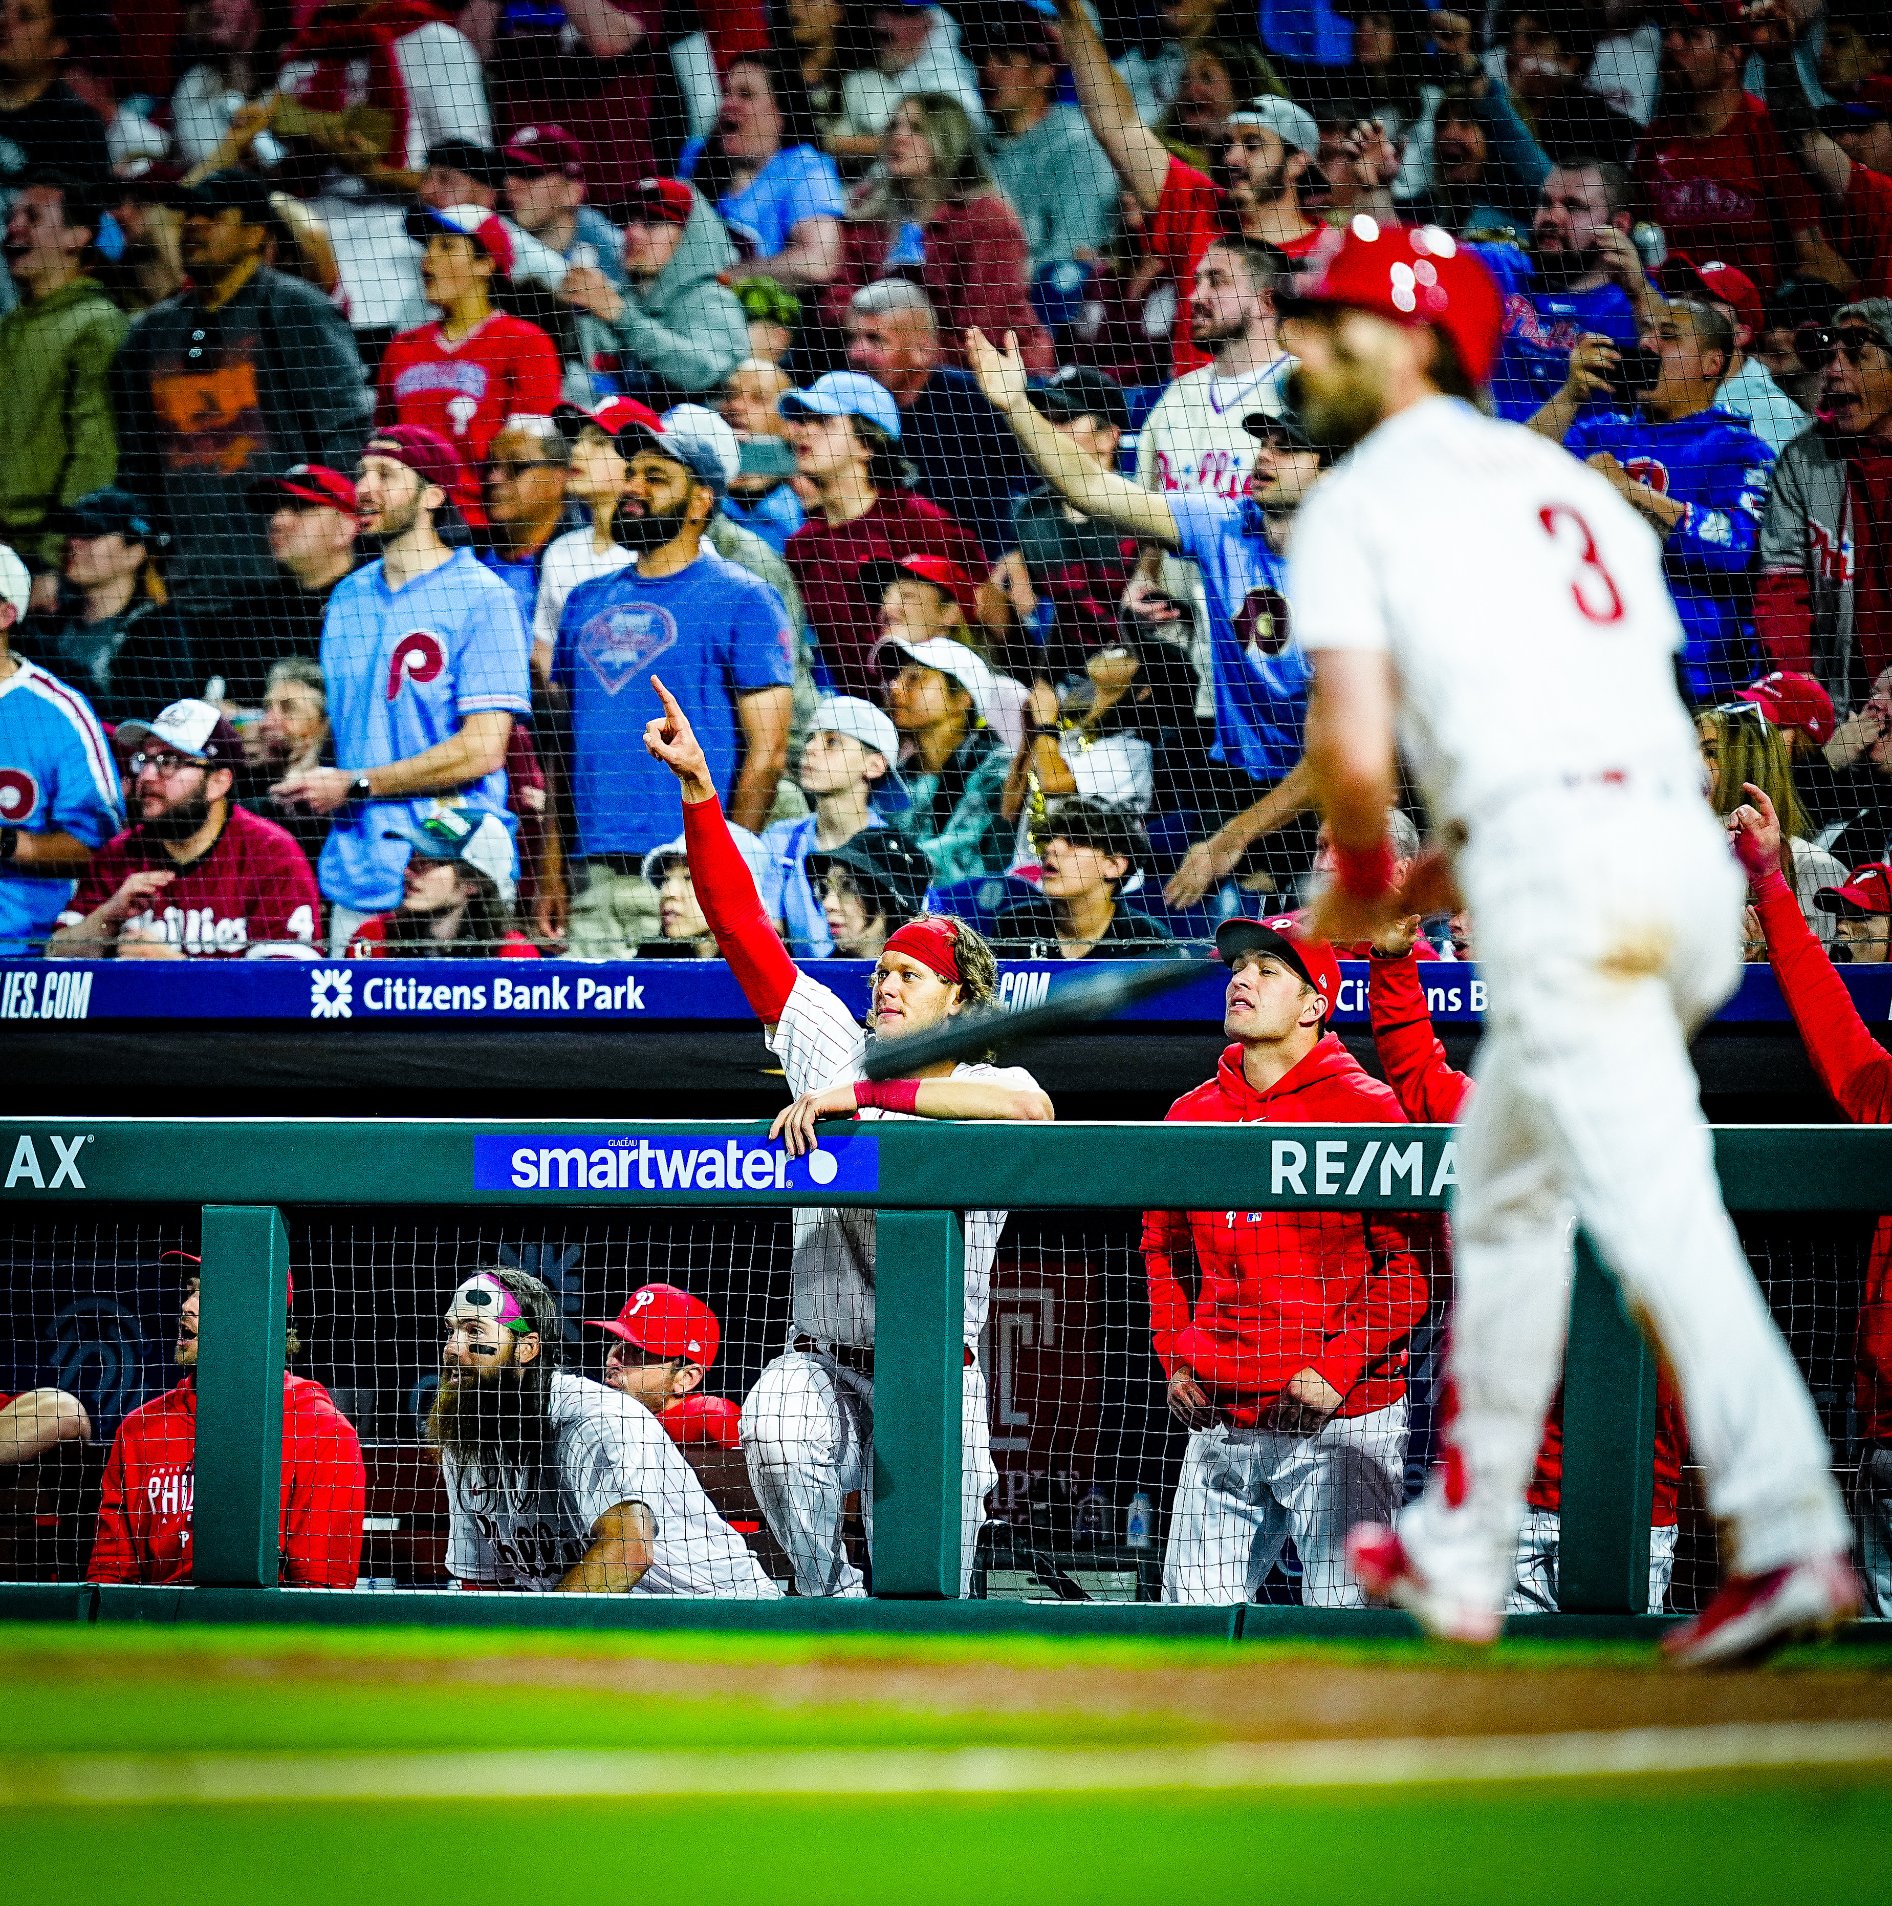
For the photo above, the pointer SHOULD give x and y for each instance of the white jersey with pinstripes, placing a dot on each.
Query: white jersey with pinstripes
(821, 1045)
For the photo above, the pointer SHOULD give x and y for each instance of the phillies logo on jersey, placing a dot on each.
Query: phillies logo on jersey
(621, 643)
(19, 796)
(418, 656)
(1650, 471)
(1525, 322)
(1832, 562)
(1261, 624)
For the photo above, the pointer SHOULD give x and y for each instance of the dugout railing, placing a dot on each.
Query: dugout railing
(919, 1177)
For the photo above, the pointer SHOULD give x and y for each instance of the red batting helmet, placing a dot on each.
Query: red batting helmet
(1413, 274)
(667, 1322)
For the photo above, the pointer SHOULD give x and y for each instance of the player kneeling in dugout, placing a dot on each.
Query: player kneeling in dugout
(557, 1482)
(1289, 1366)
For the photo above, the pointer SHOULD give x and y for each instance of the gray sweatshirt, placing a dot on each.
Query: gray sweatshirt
(683, 325)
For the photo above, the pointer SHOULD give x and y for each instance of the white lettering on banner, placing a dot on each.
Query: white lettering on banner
(1363, 1167)
(51, 993)
(1290, 1161)
(26, 1167)
(1019, 990)
(1330, 1161)
(1447, 1173)
(1403, 1161)
(730, 1166)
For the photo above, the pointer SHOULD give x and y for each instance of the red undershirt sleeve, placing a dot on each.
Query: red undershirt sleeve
(726, 892)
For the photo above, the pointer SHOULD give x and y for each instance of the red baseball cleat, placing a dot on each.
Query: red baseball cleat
(1752, 1615)
(1381, 1566)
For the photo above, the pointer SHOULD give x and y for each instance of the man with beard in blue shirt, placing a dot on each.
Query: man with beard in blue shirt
(1699, 477)
(727, 651)
(1587, 280)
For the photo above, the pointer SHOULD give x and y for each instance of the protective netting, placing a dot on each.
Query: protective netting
(245, 238)
(751, 1449)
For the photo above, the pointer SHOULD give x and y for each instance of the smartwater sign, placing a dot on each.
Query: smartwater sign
(634, 1161)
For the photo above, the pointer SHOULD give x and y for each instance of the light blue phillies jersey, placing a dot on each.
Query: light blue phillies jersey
(56, 775)
(405, 668)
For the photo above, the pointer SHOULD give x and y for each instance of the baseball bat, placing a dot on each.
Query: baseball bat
(1075, 1002)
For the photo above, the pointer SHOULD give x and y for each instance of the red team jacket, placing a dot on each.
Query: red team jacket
(1285, 1291)
(1857, 1071)
(145, 1511)
(1432, 1093)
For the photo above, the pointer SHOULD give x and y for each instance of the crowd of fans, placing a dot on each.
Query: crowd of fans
(392, 392)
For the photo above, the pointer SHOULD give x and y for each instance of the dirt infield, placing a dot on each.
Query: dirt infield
(1256, 1693)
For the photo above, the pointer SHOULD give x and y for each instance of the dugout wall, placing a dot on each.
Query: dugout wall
(399, 1203)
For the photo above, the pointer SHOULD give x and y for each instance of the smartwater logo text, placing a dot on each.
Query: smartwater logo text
(528, 1161)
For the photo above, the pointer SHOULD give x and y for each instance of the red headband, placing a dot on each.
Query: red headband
(931, 945)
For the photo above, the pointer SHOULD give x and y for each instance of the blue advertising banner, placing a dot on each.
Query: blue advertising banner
(642, 1161)
(412, 993)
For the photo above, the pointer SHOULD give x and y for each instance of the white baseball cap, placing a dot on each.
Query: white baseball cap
(703, 443)
(873, 728)
(966, 666)
(749, 846)
(1293, 125)
(16, 581)
(457, 833)
(195, 728)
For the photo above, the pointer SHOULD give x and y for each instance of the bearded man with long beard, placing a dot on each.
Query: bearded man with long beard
(557, 1482)
(195, 875)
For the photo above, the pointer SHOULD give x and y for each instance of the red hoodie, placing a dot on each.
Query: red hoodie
(1279, 1292)
(145, 1511)
(1431, 1093)
(1857, 1071)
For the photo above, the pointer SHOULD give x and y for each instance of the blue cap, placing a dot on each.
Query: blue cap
(845, 394)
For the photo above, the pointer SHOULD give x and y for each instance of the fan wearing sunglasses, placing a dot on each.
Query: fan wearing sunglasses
(1823, 603)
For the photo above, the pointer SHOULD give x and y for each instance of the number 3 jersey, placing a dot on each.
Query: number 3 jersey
(527, 1527)
(1521, 600)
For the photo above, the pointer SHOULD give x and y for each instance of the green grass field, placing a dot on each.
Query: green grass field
(515, 1724)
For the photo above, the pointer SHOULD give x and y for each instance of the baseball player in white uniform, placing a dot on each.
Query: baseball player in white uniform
(807, 1425)
(556, 1482)
(1505, 607)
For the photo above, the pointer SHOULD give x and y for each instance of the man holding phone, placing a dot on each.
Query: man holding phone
(1696, 474)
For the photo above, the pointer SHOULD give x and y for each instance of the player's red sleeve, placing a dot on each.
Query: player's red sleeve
(536, 375)
(1378, 1317)
(325, 1494)
(1166, 1242)
(114, 1556)
(1429, 1089)
(725, 890)
(1852, 1065)
(1783, 618)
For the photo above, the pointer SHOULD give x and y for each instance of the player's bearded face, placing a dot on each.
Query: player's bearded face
(491, 1404)
(1338, 389)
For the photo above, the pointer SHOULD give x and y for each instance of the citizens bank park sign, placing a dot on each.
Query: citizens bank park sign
(344, 994)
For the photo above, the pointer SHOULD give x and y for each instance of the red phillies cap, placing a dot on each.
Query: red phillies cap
(545, 149)
(613, 415)
(426, 452)
(313, 483)
(941, 571)
(667, 1322)
(1720, 283)
(1792, 700)
(486, 229)
(1281, 935)
(660, 202)
(1412, 274)
(1868, 889)
(197, 1264)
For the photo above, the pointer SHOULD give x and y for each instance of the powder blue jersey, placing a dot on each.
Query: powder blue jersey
(1714, 464)
(1261, 674)
(1541, 329)
(56, 776)
(405, 669)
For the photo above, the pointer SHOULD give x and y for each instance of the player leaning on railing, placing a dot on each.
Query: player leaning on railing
(807, 1425)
